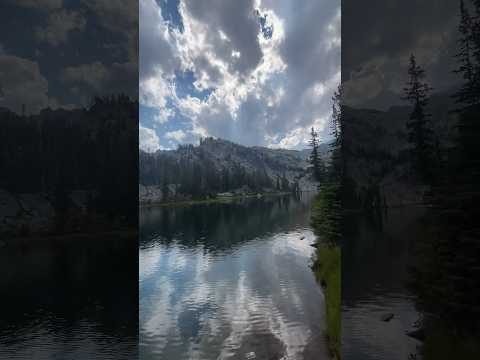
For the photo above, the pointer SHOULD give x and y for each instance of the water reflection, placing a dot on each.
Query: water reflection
(376, 260)
(69, 299)
(229, 281)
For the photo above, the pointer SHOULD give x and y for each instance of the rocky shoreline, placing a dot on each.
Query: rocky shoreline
(24, 215)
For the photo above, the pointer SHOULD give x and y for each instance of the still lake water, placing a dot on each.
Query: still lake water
(230, 281)
(72, 299)
(375, 271)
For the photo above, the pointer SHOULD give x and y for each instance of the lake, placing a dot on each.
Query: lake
(376, 258)
(69, 298)
(230, 281)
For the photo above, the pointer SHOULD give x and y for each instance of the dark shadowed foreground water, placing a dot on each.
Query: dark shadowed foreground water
(229, 281)
(72, 299)
(376, 259)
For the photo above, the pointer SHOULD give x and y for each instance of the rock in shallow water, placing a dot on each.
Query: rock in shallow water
(387, 317)
(418, 334)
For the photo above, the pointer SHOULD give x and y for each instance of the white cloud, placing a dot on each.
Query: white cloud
(333, 29)
(120, 17)
(262, 88)
(163, 115)
(177, 135)
(148, 139)
(22, 84)
(98, 79)
(59, 25)
(366, 83)
(157, 56)
(298, 137)
(155, 90)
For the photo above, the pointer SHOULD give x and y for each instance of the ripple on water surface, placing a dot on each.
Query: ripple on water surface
(231, 287)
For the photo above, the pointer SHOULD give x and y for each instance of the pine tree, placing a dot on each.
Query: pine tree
(420, 134)
(225, 179)
(285, 184)
(336, 130)
(474, 30)
(165, 191)
(468, 94)
(445, 279)
(315, 161)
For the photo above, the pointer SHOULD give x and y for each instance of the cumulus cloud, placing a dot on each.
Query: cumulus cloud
(148, 139)
(97, 79)
(84, 48)
(375, 60)
(59, 25)
(156, 44)
(237, 22)
(115, 74)
(162, 116)
(39, 4)
(269, 69)
(121, 18)
(22, 84)
(177, 135)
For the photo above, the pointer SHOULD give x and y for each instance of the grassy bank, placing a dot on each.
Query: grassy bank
(327, 269)
(325, 219)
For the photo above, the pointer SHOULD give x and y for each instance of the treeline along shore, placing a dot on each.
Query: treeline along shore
(65, 171)
(217, 169)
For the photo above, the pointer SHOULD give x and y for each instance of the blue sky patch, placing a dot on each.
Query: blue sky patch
(267, 31)
(184, 86)
(174, 123)
(171, 13)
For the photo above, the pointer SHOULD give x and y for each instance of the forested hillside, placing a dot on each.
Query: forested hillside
(218, 166)
(377, 152)
(63, 162)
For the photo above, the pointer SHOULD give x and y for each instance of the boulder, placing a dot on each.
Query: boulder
(387, 317)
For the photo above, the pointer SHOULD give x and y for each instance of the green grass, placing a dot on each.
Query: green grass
(327, 269)
(325, 220)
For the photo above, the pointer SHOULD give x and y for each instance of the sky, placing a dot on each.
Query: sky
(375, 60)
(62, 53)
(256, 72)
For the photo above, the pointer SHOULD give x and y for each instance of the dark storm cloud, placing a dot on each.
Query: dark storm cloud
(379, 36)
(238, 21)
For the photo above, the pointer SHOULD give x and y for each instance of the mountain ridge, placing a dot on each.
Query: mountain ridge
(381, 165)
(220, 166)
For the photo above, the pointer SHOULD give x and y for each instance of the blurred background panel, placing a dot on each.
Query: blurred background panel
(68, 179)
(411, 244)
(69, 113)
